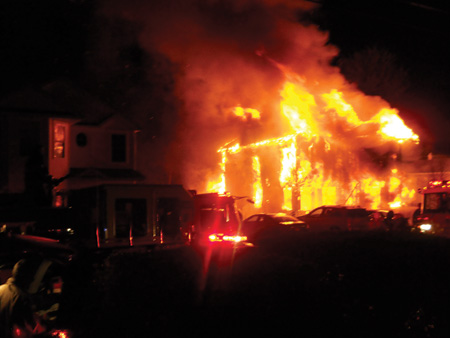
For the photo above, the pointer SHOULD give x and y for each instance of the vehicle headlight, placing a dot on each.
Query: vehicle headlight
(425, 227)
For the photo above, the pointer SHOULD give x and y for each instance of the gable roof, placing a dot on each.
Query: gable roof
(61, 98)
(31, 101)
(94, 111)
(72, 98)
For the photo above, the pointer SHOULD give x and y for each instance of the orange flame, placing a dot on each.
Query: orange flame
(299, 106)
(393, 127)
(287, 176)
(219, 184)
(336, 102)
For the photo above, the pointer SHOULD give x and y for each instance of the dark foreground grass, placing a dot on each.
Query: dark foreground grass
(305, 285)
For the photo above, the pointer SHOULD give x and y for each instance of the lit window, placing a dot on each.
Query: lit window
(59, 139)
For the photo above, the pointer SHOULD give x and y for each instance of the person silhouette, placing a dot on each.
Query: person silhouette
(390, 220)
(16, 309)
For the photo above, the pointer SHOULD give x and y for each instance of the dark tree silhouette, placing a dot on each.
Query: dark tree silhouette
(376, 72)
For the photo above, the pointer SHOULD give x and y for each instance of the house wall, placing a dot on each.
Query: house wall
(151, 193)
(97, 208)
(97, 152)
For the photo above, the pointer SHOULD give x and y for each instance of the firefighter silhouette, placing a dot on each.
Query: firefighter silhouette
(390, 220)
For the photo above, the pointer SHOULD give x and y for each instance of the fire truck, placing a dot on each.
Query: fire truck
(435, 215)
(216, 220)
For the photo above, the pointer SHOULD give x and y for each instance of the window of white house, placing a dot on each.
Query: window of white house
(131, 217)
(81, 140)
(59, 141)
(118, 148)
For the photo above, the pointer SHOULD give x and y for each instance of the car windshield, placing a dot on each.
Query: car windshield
(285, 218)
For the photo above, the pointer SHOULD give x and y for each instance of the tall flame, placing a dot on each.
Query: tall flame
(298, 106)
(257, 186)
(287, 175)
(219, 184)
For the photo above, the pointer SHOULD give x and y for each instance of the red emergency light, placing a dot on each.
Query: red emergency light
(226, 238)
(435, 184)
(60, 334)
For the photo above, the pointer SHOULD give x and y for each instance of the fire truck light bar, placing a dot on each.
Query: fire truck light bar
(437, 184)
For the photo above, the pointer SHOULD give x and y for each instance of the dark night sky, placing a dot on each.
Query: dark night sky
(42, 40)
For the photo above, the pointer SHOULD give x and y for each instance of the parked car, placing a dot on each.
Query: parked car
(50, 260)
(337, 218)
(263, 226)
(56, 223)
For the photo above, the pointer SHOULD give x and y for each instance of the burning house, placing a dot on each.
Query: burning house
(324, 156)
(264, 113)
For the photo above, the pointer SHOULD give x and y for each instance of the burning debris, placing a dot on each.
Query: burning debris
(265, 114)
